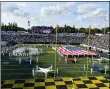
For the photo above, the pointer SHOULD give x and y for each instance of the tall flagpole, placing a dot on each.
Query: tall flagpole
(56, 49)
(88, 49)
(29, 25)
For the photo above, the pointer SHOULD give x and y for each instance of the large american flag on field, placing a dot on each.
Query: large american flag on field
(64, 51)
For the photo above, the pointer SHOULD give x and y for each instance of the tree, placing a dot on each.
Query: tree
(68, 29)
(76, 30)
(82, 30)
(2, 26)
(5, 28)
(9, 24)
(73, 30)
(33, 28)
(15, 26)
(107, 29)
(64, 28)
(96, 30)
(86, 30)
(51, 27)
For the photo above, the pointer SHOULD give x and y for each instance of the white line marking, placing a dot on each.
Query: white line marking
(78, 69)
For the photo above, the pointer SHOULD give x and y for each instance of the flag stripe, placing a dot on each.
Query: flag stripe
(65, 51)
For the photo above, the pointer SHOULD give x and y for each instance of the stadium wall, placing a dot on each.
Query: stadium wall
(50, 43)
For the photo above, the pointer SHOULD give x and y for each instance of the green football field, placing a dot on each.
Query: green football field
(11, 69)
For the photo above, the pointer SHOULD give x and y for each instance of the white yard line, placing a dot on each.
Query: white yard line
(71, 64)
(31, 73)
(31, 68)
(83, 71)
(70, 67)
(66, 70)
(78, 70)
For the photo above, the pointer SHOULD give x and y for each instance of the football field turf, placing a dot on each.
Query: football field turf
(12, 70)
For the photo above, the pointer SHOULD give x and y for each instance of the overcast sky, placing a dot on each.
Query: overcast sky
(80, 14)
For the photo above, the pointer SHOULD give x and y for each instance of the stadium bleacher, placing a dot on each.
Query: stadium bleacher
(63, 38)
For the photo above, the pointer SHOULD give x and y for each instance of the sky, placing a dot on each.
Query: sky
(80, 14)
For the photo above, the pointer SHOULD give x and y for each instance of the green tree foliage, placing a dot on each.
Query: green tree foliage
(32, 29)
(68, 29)
(107, 29)
(82, 30)
(65, 29)
(11, 27)
(3, 26)
(76, 30)
(97, 30)
(73, 29)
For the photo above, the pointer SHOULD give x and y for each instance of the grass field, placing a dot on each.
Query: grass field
(14, 70)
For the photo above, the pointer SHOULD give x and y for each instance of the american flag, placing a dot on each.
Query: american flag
(28, 23)
(64, 51)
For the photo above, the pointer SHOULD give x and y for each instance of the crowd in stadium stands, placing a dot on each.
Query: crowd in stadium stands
(50, 38)
(99, 41)
(65, 38)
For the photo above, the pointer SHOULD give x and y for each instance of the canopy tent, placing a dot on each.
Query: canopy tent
(26, 60)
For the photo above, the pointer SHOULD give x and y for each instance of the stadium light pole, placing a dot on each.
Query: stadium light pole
(104, 19)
